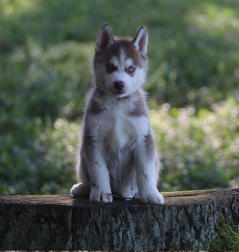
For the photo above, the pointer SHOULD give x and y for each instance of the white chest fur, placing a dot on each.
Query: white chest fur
(116, 126)
(118, 130)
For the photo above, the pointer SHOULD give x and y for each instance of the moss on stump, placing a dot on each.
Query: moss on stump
(227, 238)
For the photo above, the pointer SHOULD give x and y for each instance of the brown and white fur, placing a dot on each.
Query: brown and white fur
(118, 153)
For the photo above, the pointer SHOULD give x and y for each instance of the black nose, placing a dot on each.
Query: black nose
(119, 85)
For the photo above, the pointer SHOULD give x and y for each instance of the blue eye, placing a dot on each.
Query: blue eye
(130, 69)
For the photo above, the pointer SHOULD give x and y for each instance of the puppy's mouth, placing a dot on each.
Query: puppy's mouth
(118, 93)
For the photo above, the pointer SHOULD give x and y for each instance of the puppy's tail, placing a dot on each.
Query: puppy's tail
(80, 190)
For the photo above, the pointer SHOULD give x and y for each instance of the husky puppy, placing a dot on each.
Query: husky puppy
(118, 153)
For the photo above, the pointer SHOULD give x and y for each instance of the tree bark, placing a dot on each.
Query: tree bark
(189, 220)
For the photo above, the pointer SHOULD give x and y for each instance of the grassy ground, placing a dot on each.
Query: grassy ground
(46, 50)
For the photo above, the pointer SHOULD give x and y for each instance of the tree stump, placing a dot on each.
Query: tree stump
(189, 220)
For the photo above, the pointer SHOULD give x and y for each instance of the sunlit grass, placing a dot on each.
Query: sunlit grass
(13, 7)
(207, 143)
(212, 17)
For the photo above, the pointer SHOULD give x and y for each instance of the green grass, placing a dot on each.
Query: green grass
(46, 50)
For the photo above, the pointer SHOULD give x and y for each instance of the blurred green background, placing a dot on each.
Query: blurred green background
(46, 50)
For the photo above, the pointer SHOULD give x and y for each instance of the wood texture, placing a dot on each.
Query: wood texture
(188, 220)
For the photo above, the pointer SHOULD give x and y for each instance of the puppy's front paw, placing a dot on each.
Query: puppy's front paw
(98, 195)
(152, 195)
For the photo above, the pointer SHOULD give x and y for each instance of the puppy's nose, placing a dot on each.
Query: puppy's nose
(119, 85)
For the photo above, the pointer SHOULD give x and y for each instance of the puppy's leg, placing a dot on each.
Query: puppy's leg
(92, 172)
(99, 175)
(147, 171)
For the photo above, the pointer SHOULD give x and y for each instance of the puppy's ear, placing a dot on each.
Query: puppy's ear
(104, 39)
(140, 41)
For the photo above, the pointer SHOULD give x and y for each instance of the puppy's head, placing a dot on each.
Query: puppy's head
(120, 65)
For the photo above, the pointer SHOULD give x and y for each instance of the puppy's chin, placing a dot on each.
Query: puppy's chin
(119, 94)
